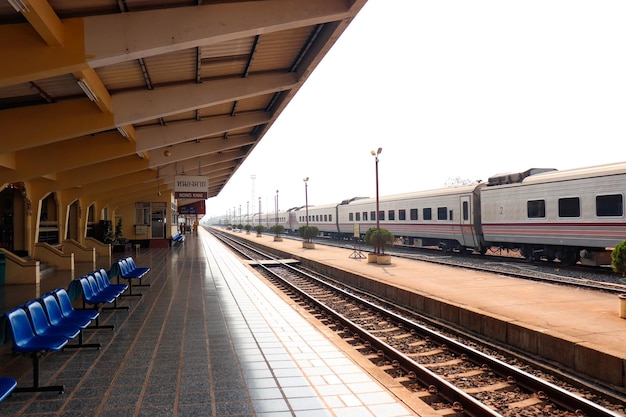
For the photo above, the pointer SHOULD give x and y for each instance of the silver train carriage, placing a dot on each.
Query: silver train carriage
(573, 215)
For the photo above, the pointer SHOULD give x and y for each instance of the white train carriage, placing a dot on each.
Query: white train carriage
(324, 217)
(567, 215)
(448, 217)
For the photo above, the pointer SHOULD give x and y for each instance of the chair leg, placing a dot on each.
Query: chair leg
(36, 387)
(81, 344)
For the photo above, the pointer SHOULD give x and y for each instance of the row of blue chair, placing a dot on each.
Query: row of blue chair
(97, 290)
(47, 324)
(128, 270)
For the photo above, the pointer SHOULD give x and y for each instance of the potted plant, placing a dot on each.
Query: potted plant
(259, 230)
(277, 229)
(308, 233)
(248, 227)
(380, 239)
(618, 263)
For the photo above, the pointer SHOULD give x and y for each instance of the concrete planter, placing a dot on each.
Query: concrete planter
(308, 245)
(383, 259)
(278, 239)
(622, 306)
(372, 258)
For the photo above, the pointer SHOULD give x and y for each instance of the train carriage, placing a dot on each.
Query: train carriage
(567, 215)
(324, 217)
(448, 218)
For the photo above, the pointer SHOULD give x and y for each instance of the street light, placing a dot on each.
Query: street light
(375, 154)
(259, 211)
(306, 200)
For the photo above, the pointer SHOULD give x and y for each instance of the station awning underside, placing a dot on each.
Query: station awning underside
(117, 97)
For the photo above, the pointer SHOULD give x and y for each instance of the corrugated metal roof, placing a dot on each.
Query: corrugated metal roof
(237, 63)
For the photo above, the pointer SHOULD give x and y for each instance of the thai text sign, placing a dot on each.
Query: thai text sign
(186, 186)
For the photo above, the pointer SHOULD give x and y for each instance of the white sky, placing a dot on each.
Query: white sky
(448, 89)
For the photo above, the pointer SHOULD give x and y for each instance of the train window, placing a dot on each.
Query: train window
(609, 205)
(381, 215)
(413, 214)
(402, 214)
(350, 217)
(536, 209)
(442, 213)
(450, 215)
(317, 217)
(391, 215)
(465, 210)
(569, 207)
(372, 215)
(330, 217)
(357, 216)
(427, 214)
(365, 216)
(325, 217)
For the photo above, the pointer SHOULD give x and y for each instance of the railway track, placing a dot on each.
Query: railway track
(450, 376)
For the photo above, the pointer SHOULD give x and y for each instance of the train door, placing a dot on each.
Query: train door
(467, 227)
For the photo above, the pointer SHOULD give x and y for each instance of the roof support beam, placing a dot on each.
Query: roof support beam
(70, 119)
(159, 136)
(189, 150)
(96, 41)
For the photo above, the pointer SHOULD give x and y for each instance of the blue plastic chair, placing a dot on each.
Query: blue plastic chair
(68, 309)
(7, 385)
(56, 318)
(26, 341)
(43, 327)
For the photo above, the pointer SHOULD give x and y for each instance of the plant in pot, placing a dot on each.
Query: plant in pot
(259, 230)
(247, 227)
(380, 239)
(308, 233)
(618, 258)
(277, 229)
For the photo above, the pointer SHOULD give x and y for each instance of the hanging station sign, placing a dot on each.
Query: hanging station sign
(186, 186)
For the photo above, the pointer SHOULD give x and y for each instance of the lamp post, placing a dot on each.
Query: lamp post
(375, 154)
(247, 212)
(306, 200)
(276, 218)
(259, 211)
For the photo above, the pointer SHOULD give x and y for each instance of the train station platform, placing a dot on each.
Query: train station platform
(207, 338)
(572, 328)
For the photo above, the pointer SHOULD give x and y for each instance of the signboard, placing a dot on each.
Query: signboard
(186, 186)
(194, 208)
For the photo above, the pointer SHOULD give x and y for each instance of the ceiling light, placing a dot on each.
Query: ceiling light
(123, 131)
(18, 5)
(88, 91)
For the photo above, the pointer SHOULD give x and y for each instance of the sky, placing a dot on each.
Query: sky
(450, 90)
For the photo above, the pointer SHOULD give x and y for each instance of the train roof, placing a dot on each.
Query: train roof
(463, 189)
(617, 168)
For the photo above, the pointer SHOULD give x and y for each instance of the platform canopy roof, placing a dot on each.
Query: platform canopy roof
(116, 97)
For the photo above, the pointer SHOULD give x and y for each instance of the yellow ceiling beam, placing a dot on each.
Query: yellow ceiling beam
(153, 137)
(103, 98)
(26, 127)
(26, 58)
(45, 21)
(101, 171)
(189, 150)
(69, 154)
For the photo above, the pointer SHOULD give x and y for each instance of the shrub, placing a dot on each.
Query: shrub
(618, 258)
(308, 232)
(259, 229)
(277, 229)
(379, 238)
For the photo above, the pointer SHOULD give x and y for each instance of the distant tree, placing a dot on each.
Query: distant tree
(458, 182)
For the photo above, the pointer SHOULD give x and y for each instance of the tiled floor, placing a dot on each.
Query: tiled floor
(208, 338)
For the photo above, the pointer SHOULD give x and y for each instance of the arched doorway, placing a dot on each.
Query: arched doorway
(13, 209)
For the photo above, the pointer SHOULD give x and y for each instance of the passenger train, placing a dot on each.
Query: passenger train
(573, 215)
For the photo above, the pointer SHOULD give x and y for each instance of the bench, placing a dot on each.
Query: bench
(92, 296)
(7, 385)
(178, 238)
(26, 341)
(105, 286)
(128, 270)
(47, 320)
